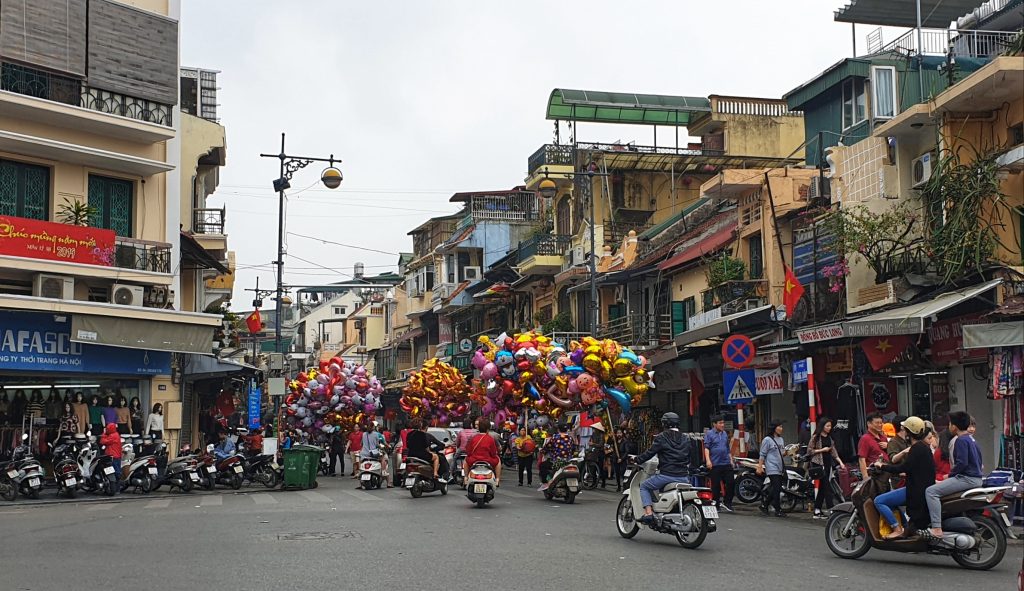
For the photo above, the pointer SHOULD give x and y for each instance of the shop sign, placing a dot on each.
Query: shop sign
(799, 375)
(769, 381)
(444, 330)
(255, 398)
(884, 328)
(841, 361)
(704, 318)
(40, 342)
(820, 333)
(765, 360)
(38, 239)
(946, 337)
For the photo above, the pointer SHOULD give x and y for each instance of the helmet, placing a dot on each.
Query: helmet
(915, 425)
(670, 420)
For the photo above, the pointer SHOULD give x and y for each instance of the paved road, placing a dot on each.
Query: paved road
(337, 537)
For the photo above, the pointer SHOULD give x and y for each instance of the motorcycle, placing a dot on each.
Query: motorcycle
(799, 487)
(748, 483)
(971, 535)
(419, 478)
(66, 472)
(481, 484)
(230, 471)
(206, 464)
(564, 483)
(102, 477)
(25, 473)
(681, 509)
(590, 470)
(139, 471)
(180, 473)
(458, 468)
(371, 473)
(262, 468)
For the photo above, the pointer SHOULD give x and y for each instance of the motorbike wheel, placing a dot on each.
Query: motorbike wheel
(147, 485)
(990, 549)
(480, 503)
(267, 476)
(7, 491)
(508, 460)
(72, 491)
(209, 483)
(236, 482)
(625, 521)
(787, 502)
(852, 544)
(548, 494)
(416, 490)
(590, 476)
(748, 489)
(443, 488)
(187, 485)
(110, 488)
(33, 493)
(693, 540)
(570, 498)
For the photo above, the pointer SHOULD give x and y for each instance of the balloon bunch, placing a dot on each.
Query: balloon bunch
(529, 371)
(331, 397)
(437, 390)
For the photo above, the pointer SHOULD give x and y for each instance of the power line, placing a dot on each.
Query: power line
(339, 244)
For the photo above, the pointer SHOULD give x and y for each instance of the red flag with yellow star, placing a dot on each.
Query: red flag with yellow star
(792, 292)
(254, 323)
(881, 351)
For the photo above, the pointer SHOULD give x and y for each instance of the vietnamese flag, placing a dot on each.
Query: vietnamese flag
(791, 293)
(696, 391)
(254, 322)
(881, 351)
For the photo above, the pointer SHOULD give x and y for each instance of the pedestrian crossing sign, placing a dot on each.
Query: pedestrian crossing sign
(740, 386)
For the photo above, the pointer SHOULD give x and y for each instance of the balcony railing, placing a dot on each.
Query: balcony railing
(736, 296)
(516, 206)
(642, 331)
(550, 154)
(71, 91)
(564, 338)
(616, 232)
(752, 106)
(208, 221)
(544, 245)
(969, 43)
(142, 255)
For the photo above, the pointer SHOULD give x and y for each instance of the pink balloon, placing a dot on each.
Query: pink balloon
(479, 361)
(489, 371)
(573, 387)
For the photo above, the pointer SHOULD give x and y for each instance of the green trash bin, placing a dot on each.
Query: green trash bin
(300, 466)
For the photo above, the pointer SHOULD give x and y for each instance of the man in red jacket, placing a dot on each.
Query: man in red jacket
(112, 440)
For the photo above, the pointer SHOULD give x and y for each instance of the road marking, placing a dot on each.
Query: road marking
(158, 504)
(212, 501)
(103, 507)
(361, 495)
(315, 496)
(263, 499)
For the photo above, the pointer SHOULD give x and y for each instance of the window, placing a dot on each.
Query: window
(755, 256)
(563, 216)
(112, 200)
(854, 102)
(339, 310)
(24, 190)
(681, 312)
(883, 92)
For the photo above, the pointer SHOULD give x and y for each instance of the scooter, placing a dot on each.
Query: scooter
(262, 468)
(180, 473)
(27, 474)
(748, 483)
(207, 468)
(65, 467)
(419, 478)
(799, 488)
(481, 484)
(371, 473)
(103, 478)
(230, 471)
(141, 471)
(973, 538)
(564, 483)
(459, 469)
(681, 509)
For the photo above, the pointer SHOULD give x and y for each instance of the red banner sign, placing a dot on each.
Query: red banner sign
(39, 239)
(946, 337)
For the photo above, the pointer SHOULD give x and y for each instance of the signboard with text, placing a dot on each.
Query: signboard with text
(769, 381)
(253, 406)
(946, 337)
(800, 371)
(38, 239)
(820, 333)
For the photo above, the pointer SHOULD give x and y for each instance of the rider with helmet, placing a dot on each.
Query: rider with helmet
(673, 451)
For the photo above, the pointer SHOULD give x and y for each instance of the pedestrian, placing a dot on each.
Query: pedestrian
(355, 444)
(595, 451)
(155, 422)
(965, 471)
(871, 447)
(96, 415)
(624, 448)
(719, 463)
(111, 440)
(824, 460)
(526, 447)
(771, 461)
(68, 421)
(336, 447)
(135, 413)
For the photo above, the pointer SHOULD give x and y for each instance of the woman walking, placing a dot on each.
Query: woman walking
(525, 449)
(824, 459)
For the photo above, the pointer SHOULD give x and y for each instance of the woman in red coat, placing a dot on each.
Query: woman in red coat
(482, 448)
(112, 440)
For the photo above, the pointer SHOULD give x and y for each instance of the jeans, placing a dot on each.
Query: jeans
(893, 499)
(620, 471)
(656, 483)
(934, 493)
(774, 498)
(544, 471)
(720, 474)
(526, 467)
(825, 489)
(336, 457)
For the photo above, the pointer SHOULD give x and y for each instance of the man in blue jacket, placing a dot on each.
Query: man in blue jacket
(673, 451)
(965, 473)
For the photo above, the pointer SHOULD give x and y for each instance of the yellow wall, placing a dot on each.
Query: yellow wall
(751, 135)
(198, 138)
(689, 283)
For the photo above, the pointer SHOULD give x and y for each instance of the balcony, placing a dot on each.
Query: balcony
(640, 331)
(67, 102)
(142, 255)
(616, 232)
(208, 221)
(543, 254)
(736, 296)
(969, 43)
(511, 206)
(550, 155)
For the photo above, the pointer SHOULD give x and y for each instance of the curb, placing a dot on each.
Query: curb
(129, 497)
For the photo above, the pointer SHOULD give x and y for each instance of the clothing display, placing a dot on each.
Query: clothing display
(53, 407)
(81, 411)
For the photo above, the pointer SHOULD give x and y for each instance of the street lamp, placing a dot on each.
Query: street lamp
(331, 178)
(548, 189)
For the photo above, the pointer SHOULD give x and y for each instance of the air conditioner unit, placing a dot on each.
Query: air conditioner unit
(820, 187)
(471, 273)
(579, 256)
(156, 296)
(127, 295)
(57, 287)
(921, 170)
(753, 303)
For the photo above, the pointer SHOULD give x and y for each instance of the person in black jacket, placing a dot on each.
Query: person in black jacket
(919, 466)
(673, 451)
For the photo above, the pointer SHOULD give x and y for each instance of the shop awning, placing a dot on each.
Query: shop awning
(1000, 334)
(135, 333)
(625, 107)
(726, 325)
(707, 245)
(205, 366)
(935, 14)
(910, 319)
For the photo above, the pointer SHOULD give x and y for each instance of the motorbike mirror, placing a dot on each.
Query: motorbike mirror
(209, 448)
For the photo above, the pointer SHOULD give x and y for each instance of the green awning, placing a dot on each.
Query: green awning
(665, 225)
(623, 107)
(935, 14)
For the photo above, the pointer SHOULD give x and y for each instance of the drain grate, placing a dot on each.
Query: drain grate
(313, 536)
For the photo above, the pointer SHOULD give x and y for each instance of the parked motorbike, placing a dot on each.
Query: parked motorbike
(138, 471)
(24, 471)
(748, 483)
(181, 472)
(481, 484)
(230, 472)
(371, 473)
(262, 468)
(66, 472)
(419, 478)
(680, 509)
(102, 477)
(971, 535)
(564, 483)
(799, 487)
(206, 467)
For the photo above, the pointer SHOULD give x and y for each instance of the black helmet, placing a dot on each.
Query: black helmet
(670, 420)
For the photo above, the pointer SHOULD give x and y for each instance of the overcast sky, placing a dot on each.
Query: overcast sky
(423, 99)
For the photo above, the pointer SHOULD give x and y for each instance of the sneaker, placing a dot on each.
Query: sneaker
(764, 510)
(780, 514)
(648, 519)
(725, 508)
(818, 515)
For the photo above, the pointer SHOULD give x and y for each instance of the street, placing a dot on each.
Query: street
(339, 537)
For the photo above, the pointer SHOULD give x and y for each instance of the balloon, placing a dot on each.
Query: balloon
(489, 371)
(479, 360)
(322, 378)
(620, 398)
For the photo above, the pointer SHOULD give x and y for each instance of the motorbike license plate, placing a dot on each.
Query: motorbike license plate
(480, 489)
(238, 469)
(572, 482)
(108, 470)
(710, 512)
(212, 471)
(33, 482)
(364, 477)
(70, 482)
(626, 475)
(193, 476)
(152, 470)
(274, 465)
(401, 466)
(12, 473)
(409, 482)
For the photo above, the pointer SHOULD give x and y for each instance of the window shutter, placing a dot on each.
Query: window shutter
(45, 33)
(678, 318)
(133, 52)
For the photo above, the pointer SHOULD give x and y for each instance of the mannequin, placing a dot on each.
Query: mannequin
(16, 410)
(4, 404)
(81, 411)
(53, 407)
(35, 407)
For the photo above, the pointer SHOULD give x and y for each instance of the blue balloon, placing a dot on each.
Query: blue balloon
(531, 391)
(620, 398)
(630, 355)
(573, 369)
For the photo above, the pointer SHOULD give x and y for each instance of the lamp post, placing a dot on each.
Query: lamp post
(331, 178)
(548, 189)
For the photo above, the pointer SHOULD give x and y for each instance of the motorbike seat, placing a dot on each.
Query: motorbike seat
(414, 460)
(676, 486)
(961, 525)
